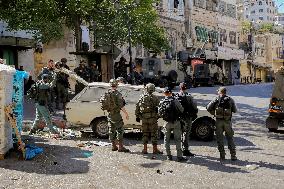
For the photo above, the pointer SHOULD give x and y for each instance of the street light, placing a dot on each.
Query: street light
(126, 8)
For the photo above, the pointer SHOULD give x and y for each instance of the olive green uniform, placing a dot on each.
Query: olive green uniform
(187, 122)
(115, 121)
(223, 124)
(176, 127)
(149, 117)
(41, 104)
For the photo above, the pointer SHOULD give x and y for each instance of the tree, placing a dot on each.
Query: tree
(46, 20)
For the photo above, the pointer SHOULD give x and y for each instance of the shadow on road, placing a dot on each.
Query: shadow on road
(55, 160)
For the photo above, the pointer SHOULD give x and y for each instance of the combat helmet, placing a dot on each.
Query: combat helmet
(150, 88)
(113, 83)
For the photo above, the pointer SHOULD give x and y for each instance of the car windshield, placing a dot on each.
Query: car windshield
(91, 94)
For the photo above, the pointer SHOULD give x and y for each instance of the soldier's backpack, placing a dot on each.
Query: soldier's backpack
(224, 108)
(168, 110)
(188, 104)
(147, 108)
(108, 102)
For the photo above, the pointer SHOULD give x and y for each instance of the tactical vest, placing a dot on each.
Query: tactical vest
(147, 106)
(223, 108)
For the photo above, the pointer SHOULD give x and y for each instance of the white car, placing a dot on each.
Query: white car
(84, 110)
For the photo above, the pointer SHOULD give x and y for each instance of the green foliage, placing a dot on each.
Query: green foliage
(246, 27)
(46, 18)
(265, 28)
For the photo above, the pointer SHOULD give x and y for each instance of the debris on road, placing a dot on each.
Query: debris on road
(252, 167)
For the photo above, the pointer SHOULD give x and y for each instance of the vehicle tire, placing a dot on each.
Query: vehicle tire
(271, 124)
(272, 129)
(202, 129)
(100, 127)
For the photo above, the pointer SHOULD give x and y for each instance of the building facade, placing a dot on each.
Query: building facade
(259, 11)
(16, 48)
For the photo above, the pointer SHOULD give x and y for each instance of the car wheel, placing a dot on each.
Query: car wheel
(203, 130)
(272, 129)
(100, 127)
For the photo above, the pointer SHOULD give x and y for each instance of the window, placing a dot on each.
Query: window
(260, 10)
(247, 16)
(268, 18)
(176, 2)
(267, 10)
(260, 18)
(260, 2)
(252, 12)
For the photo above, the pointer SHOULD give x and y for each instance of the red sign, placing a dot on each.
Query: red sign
(195, 62)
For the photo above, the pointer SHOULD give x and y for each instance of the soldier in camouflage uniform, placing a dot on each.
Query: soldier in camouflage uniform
(49, 70)
(170, 110)
(83, 72)
(62, 85)
(222, 107)
(190, 107)
(41, 103)
(147, 111)
(115, 120)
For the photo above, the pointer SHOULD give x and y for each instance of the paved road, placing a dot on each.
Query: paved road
(65, 165)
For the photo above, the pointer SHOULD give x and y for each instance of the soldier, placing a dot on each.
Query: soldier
(170, 109)
(62, 85)
(222, 107)
(49, 70)
(190, 112)
(63, 63)
(94, 72)
(41, 103)
(83, 72)
(147, 111)
(113, 102)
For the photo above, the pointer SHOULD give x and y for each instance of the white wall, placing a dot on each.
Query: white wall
(26, 59)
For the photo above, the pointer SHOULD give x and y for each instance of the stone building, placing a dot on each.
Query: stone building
(16, 48)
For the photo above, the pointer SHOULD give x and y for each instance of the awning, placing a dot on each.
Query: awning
(18, 43)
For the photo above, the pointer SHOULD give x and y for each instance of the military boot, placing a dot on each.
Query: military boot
(156, 150)
(188, 153)
(181, 159)
(233, 155)
(144, 151)
(121, 148)
(222, 156)
(114, 147)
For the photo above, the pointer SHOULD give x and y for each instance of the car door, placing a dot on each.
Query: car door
(85, 106)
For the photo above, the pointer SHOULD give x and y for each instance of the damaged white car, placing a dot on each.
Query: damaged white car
(84, 110)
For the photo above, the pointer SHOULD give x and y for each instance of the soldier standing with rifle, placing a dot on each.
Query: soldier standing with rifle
(170, 110)
(190, 112)
(62, 85)
(222, 107)
(40, 94)
(113, 102)
(147, 111)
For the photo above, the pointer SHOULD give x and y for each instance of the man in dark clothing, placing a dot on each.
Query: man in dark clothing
(120, 68)
(83, 72)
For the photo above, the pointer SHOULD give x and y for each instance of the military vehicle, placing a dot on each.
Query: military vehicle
(276, 106)
(207, 75)
(162, 72)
